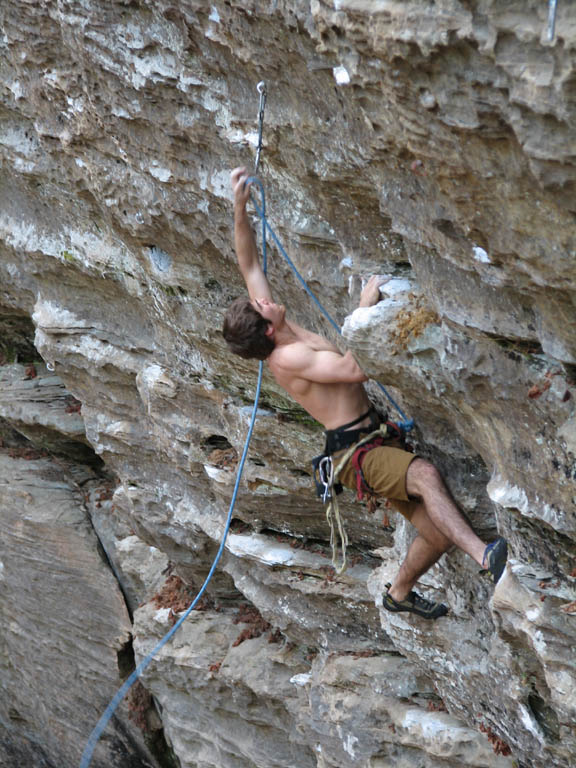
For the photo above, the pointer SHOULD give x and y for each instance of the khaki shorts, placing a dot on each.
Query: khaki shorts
(384, 470)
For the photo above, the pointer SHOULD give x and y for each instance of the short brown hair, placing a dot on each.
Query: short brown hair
(245, 331)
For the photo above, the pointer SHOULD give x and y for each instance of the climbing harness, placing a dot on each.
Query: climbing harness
(336, 441)
(330, 495)
(356, 444)
(345, 436)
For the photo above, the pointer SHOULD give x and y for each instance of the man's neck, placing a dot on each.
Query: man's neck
(285, 334)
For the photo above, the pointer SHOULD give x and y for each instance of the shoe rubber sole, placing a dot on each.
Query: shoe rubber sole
(495, 557)
(415, 604)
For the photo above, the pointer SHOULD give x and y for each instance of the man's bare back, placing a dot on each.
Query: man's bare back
(330, 403)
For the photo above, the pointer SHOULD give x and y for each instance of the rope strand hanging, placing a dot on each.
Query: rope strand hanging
(145, 663)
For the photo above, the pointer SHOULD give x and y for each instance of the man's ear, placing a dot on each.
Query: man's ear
(269, 330)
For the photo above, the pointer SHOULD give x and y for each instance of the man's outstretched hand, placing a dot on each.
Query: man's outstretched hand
(238, 179)
(371, 292)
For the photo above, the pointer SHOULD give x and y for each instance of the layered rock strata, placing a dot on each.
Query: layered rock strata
(429, 142)
(66, 632)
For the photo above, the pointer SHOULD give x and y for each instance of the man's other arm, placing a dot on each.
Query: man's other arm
(244, 241)
(318, 360)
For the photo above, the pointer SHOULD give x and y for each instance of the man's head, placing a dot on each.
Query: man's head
(247, 332)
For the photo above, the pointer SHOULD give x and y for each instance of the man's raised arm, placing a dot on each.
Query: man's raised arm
(244, 241)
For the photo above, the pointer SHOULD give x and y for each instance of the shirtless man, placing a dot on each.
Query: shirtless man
(329, 386)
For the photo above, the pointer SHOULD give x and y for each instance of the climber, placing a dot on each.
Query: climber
(329, 386)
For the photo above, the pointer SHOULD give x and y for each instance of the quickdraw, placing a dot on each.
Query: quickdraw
(261, 88)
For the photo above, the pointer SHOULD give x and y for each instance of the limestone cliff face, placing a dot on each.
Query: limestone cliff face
(432, 142)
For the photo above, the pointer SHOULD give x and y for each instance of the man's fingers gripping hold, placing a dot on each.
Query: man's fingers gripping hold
(238, 178)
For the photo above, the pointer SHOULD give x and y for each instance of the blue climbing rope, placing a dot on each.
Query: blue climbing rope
(123, 690)
(406, 424)
(112, 706)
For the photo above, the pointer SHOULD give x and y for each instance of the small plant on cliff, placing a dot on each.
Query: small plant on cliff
(411, 321)
(250, 615)
(223, 458)
(499, 745)
(72, 404)
(139, 702)
(176, 595)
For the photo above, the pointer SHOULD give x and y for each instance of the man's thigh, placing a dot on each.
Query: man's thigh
(385, 471)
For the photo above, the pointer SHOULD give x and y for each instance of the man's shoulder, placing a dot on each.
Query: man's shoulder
(291, 355)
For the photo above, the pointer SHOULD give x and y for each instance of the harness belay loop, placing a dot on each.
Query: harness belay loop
(333, 515)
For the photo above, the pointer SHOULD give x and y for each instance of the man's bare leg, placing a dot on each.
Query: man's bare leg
(420, 557)
(440, 524)
(426, 549)
(424, 481)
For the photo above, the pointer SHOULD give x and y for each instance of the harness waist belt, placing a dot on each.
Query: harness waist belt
(343, 437)
(351, 423)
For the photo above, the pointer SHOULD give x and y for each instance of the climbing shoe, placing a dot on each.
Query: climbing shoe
(495, 556)
(414, 603)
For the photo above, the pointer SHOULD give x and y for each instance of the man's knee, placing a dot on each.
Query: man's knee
(422, 477)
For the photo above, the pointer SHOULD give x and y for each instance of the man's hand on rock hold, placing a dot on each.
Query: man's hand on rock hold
(371, 292)
(238, 179)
